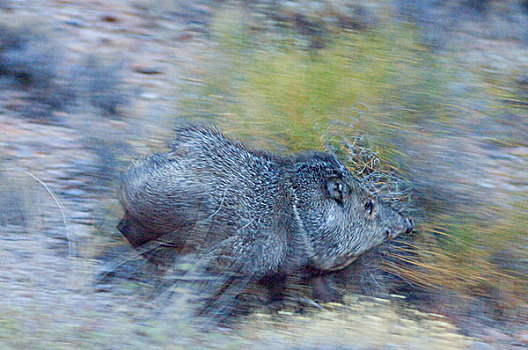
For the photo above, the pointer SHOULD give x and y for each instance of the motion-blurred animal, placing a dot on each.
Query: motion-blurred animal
(255, 215)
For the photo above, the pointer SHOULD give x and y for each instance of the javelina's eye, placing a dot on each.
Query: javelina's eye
(335, 189)
(369, 206)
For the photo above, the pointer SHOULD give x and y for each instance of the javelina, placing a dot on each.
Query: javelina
(261, 214)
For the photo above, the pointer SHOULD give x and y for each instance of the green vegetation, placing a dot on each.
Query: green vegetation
(270, 87)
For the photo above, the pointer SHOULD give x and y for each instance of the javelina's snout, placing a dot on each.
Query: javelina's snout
(408, 226)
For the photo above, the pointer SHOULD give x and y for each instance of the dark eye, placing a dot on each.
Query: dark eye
(369, 206)
(336, 188)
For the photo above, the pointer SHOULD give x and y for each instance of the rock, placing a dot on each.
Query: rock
(74, 192)
(110, 18)
(149, 96)
(185, 36)
(145, 69)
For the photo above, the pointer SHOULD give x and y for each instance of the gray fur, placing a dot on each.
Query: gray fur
(259, 213)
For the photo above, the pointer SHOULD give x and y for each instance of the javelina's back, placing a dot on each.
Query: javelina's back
(205, 179)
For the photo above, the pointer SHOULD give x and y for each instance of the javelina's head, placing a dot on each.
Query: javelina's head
(339, 218)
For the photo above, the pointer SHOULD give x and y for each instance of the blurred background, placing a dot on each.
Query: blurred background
(436, 92)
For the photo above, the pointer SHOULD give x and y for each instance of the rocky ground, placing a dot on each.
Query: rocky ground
(130, 62)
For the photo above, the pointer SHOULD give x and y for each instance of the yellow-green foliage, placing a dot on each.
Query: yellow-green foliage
(472, 256)
(270, 87)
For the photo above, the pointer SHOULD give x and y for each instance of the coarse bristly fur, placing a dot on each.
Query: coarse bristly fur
(254, 216)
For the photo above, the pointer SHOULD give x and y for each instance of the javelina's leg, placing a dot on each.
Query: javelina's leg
(324, 289)
(233, 264)
(164, 247)
(276, 286)
(133, 231)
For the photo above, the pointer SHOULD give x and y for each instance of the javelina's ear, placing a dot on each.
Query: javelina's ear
(335, 188)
